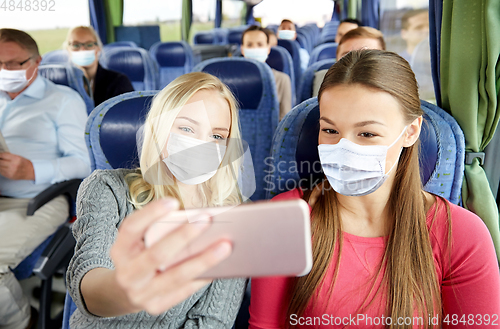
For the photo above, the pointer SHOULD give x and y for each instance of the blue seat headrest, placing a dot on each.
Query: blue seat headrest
(171, 54)
(55, 73)
(275, 60)
(128, 61)
(204, 38)
(234, 37)
(309, 165)
(118, 129)
(246, 85)
(328, 53)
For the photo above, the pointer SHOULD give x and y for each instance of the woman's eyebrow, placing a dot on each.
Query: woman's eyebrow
(369, 122)
(224, 129)
(189, 119)
(359, 124)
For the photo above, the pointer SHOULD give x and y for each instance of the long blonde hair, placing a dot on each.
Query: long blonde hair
(154, 181)
(410, 273)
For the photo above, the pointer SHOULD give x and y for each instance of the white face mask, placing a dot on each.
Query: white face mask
(83, 57)
(353, 169)
(259, 54)
(14, 81)
(193, 161)
(286, 34)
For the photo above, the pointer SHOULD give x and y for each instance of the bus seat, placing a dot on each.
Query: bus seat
(293, 48)
(304, 40)
(306, 86)
(71, 76)
(234, 36)
(205, 38)
(130, 44)
(295, 161)
(280, 60)
(221, 35)
(53, 255)
(328, 31)
(115, 123)
(69, 308)
(252, 83)
(323, 51)
(135, 63)
(55, 57)
(273, 27)
(173, 58)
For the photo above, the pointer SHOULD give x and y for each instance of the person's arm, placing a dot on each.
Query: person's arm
(73, 161)
(286, 97)
(218, 306)
(111, 272)
(471, 291)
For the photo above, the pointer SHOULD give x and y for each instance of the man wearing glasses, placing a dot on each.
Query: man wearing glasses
(43, 127)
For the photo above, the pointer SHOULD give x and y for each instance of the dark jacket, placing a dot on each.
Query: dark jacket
(109, 84)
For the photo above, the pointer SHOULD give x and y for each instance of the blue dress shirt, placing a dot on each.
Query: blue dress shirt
(46, 125)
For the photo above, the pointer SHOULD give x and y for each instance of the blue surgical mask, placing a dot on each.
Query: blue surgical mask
(83, 57)
(259, 54)
(286, 34)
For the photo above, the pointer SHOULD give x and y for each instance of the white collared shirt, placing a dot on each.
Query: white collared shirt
(46, 125)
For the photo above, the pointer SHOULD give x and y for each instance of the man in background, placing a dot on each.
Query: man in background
(287, 31)
(345, 26)
(43, 125)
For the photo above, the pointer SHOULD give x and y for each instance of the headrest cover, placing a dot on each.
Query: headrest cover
(243, 78)
(127, 61)
(171, 54)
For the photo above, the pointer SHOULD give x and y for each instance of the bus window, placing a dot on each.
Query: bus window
(203, 16)
(232, 13)
(47, 24)
(299, 11)
(167, 15)
(405, 24)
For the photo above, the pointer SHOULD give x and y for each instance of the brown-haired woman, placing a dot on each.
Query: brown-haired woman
(386, 253)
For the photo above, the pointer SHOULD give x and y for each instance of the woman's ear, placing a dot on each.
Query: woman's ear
(413, 132)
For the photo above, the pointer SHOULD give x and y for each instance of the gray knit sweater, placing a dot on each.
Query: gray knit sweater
(102, 204)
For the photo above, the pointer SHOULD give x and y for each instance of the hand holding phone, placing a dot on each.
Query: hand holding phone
(268, 238)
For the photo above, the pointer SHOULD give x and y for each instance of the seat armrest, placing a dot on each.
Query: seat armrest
(56, 254)
(69, 188)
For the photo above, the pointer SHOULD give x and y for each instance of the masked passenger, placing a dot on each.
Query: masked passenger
(190, 150)
(383, 248)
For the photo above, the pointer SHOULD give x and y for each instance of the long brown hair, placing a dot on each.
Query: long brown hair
(410, 274)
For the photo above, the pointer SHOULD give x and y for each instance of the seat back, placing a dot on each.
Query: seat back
(205, 38)
(111, 130)
(322, 52)
(279, 59)
(252, 83)
(293, 49)
(329, 31)
(130, 44)
(135, 63)
(55, 57)
(234, 37)
(295, 161)
(306, 86)
(173, 59)
(71, 76)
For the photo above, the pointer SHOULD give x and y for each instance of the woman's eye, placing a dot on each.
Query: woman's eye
(186, 129)
(218, 137)
(367, 135)
(330, 131)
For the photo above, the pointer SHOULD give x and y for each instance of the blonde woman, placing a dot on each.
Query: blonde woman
(113, 279)
(386, 253)
(84, 47)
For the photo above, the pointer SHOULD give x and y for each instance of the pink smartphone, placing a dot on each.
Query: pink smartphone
(268, 238)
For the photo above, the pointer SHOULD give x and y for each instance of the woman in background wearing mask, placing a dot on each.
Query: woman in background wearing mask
(190, 151)
(255, 45)
(84, 47)
(386, 253)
